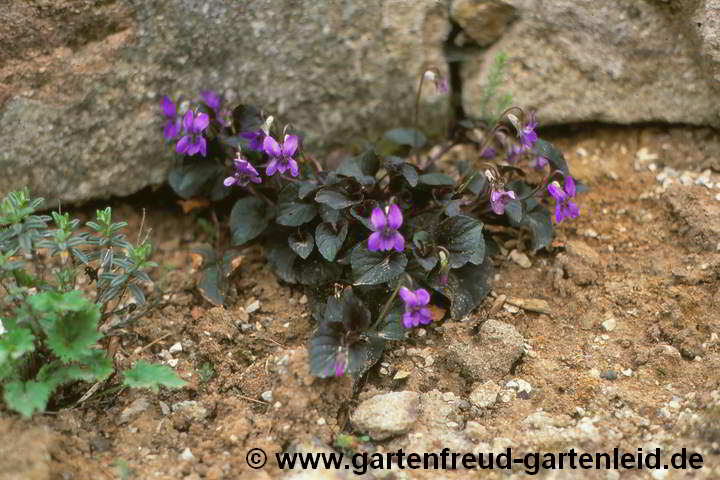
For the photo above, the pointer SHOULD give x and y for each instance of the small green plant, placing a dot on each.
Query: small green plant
(49, 328)
(492, 103)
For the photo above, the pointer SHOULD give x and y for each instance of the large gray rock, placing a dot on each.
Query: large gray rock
(81, 83)
(387, 415)
(622, 61)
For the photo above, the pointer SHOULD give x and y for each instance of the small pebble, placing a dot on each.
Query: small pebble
(401, 375)
(187, 455)
(609, 375)
(253, 306)
(321, 421)
(520, 258)
(177, 347)
(609, 324)
(164, 408)
(303, 300)
(267, 396)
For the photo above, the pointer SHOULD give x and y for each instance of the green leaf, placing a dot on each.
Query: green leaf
(152, 376)
(410, 173)
(212, 285)
(71, 335)
(281, 260)
(59, 302)
(249, 218)
(334, 198)
(462, 236)
(301, 243)
(466, 287)
(316, 271)
(329, 240)
(362, 167)
(436, 180)
(190, 179)
(374, 268)
(293, 214)
(406, 136)
(15, 343)
(27, 397)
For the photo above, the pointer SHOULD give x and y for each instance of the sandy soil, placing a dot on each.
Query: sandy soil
(626, 354)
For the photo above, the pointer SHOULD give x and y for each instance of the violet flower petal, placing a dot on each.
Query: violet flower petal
(394, 217)
(378, 219)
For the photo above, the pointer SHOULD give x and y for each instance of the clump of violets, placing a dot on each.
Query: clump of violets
(244, 174)
(281, 156)
(416, 307)
(385, 225)
(193, 141)
(564, 206)
(499, 200)
(170, 111)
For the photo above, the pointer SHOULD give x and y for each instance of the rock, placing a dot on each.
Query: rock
(192, 409)
(177, 347)
(696, 209)
(609, 375)
(484, 21)
(489, 355)
(580, 262)
(522, 387)
(187, 455)
(609, 324)
(29, 456)
(81, 87)
(484, 395)
(133, 410)
(580, 60)
(401, 375)
(531, 304)
(267, 396)
(252, 306)
(386, 415)
(520, 258)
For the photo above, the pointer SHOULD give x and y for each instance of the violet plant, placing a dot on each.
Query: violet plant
(383, 237)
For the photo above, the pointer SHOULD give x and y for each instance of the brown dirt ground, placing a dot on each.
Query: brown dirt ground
(642, 266)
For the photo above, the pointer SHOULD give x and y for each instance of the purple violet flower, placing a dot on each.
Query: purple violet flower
(193, 141)
(529, 137)
(281, 157)
(539, 163)
(172, 126)
(256, 139)
(499, 199)
(489, 152)
(385, 225)
(564, 206)
(244, 174)
(416, 310)
(215, 101)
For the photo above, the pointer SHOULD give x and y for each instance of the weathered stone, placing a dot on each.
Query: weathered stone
(484, 21)
(489, 355)
(699, 212)
(485, 395)
(81, 84)
(582, 60)
(387, 415)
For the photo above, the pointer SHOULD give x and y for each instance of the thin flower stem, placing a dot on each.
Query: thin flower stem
(417, 112)
(389, 302)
